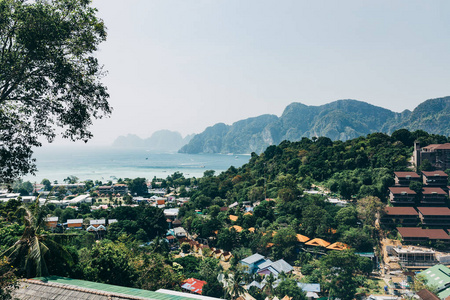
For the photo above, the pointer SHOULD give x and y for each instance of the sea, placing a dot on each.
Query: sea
(109, 163)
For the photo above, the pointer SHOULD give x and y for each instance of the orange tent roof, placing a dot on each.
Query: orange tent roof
(338, 246)
(269, 245)
(251, 229)
(248, 214)
(233, 218)
(237, 228)
(318, 242)
(302, 238)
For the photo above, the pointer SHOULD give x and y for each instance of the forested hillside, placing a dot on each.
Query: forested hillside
(338, 120)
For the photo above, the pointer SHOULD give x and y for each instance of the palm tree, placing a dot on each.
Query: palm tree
(234, 287)
(268, 287)
(30, 250)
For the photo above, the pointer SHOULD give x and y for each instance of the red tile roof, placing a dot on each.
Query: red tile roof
(405, 211)
(194, 285)
(433, 190)
(434, 173)
(405, 174)
(399, 190)
(434, 211)
(433, 234)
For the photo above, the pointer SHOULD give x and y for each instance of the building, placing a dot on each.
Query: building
(437, 217)
(252, 262)
(409, 256)
(401, 196)
(439, 276)
(74, 223)
(437, 154)
(274, 268)
(405, 216)
(434, 178)
(433, 196)
(405, 178)
(60, 288)
(119, 188)
(51, 222)
(193, 285)
(419, 235)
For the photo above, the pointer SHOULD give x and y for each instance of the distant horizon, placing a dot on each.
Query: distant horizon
(62, 142)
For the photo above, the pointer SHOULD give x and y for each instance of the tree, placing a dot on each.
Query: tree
(49, 77)
(234, 287)
(31, 251)
(290, 288)
(368, 208)
(8, 280)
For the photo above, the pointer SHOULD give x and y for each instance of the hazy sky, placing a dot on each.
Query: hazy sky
(188, 64)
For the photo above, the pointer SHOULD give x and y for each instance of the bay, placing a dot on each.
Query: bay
(109, 163)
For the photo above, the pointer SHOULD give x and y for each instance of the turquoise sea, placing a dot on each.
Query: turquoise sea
(106, 163)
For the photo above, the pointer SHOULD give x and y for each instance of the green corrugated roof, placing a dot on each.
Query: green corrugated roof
(111, 288)
(439, 276)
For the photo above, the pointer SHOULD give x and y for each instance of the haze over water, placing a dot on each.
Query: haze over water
(108, 163)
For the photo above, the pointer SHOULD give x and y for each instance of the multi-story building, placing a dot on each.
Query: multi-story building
(405, 216)
(437, 154)
(435, 178)
(435, 217)
(405, 178)
(401, 196)
(433, 196)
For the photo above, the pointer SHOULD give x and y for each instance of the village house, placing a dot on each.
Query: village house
(51, 222)
(74, 223)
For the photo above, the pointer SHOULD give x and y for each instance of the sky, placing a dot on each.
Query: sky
(184, 65)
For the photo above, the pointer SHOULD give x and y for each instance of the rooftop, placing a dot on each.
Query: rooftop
(434, 173)
(433, 234)
(400, 190)
(406, 174)
(433, 190)
(434, 211)
(252, 259)
(406, 211)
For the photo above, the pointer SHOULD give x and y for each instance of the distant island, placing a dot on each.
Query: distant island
(338, 120)
(162, 140)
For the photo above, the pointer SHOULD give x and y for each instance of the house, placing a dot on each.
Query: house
(435, 178)
(237, 228)
(176, 223)
(435, 216)
(60, 288)
(417, 235)
(193, 285)
(105, 189)
(112, 221)
(275, 268)
(439, 276)
(233, 218)
(51, 222)
(252, 262)
(309, 287)
(97, 223)
(437, 154)
(405, 178)
(180, 232)
(401, 196)
(405, 216)
(74, 223)
(226, 256)
(433, 196)
(171, 213)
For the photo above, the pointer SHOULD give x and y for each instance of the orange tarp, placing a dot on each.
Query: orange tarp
(237, 228)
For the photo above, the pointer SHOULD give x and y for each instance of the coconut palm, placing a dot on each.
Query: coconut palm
(269, 285)
(233, 286)
(29, 252)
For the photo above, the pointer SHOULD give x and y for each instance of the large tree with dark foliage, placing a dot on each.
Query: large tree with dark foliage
(49, 77)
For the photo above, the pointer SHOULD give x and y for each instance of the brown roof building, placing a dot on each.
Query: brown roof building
(405, 178)
(437, 154)
(433, 196)
(435, 216)
(405, 216)
(414, 235)
(435, 178)
(399, 196)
